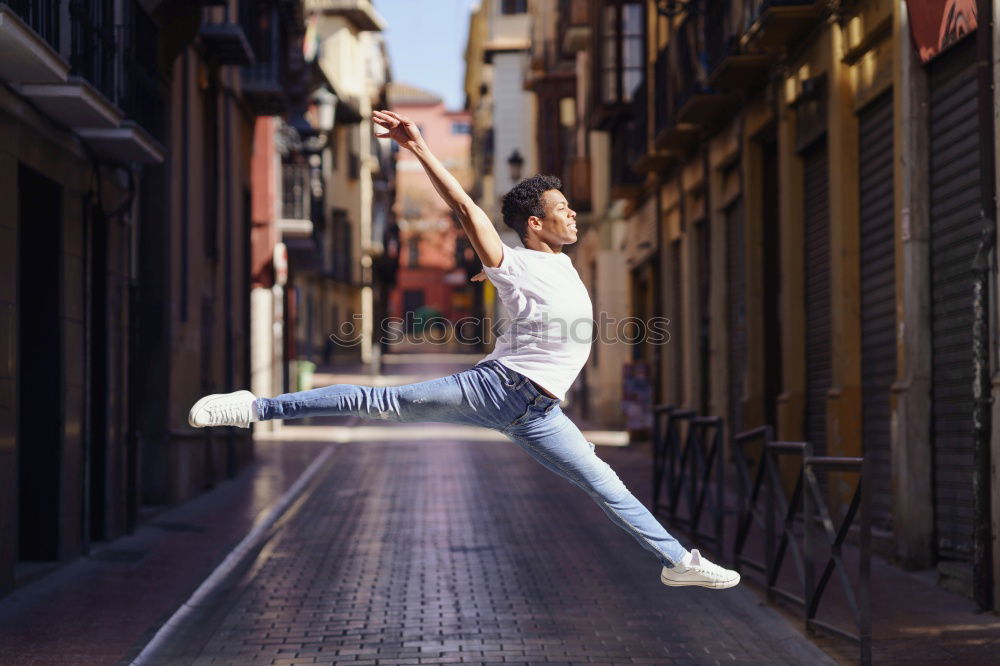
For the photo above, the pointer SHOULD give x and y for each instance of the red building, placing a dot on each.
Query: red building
(435, 256)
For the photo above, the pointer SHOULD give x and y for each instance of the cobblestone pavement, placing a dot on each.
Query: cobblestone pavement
(444, 551)
(95, 609)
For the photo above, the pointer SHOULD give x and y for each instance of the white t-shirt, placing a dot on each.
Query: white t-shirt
(549, 323)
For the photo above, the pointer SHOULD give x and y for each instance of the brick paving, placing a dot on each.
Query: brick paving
(470, 552)
(103, 607)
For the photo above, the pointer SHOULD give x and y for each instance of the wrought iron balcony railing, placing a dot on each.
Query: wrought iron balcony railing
(139, 92)
(295, 188)
(729, 64)
(42, 16)
(264, 81)
(92, 50)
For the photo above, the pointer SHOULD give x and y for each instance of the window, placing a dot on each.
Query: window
(514, 6)
(460, 128)
(623, 51)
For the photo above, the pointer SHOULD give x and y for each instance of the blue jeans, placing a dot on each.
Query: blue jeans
(493, 396)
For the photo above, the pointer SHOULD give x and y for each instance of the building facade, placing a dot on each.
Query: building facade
(805, 191)
(126, 143)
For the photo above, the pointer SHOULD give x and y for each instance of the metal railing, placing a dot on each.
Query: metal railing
(139, 92)
(749, 490)
(689, 68)
(815, 506)
(295, 191)
(42, 16)
(690, 467)
(267, 38)
(719, 39)
(787, 507)
(92, 50)
(795, 523)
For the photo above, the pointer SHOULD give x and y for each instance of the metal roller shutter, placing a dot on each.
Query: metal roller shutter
(676, 317)
(878, 298)
(736, 312)
(817, 292)
(704, 305)
(954, 222)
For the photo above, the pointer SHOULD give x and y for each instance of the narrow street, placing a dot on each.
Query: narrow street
(454, 550)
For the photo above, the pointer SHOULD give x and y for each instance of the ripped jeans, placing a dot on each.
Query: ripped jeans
(493, 396)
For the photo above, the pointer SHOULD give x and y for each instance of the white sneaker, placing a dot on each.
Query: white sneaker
(223, 409)
(699, 572)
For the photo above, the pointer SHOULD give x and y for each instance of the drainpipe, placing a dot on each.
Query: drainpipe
(983, 305)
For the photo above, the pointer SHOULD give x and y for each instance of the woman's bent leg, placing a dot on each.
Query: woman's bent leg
(558, 444)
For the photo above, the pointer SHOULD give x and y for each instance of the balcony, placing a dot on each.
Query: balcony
(114, 74)
(264, 81)
(729, 66)
(224, 38)
(139, 92)
(359, 12)
(696, 102)
(574, 24)
(296, 199)
(671, 136)
(774, 24)
(93, 44)
(29, 42)
(135, 82)
(75, 103)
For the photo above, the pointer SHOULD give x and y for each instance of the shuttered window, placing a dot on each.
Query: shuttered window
(954, 222)
(878, 298)
(817, 291)
(736, 312)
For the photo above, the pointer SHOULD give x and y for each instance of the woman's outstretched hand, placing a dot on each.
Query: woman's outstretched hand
(401, 129)
(479, 277)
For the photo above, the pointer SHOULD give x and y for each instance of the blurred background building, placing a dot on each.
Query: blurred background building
(436, 259)
(170, 168)
(806, 191)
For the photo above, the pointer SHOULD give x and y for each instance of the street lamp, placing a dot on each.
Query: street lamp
(326, 102)
(515, 162)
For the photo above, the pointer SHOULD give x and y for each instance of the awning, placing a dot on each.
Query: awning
(937, 24)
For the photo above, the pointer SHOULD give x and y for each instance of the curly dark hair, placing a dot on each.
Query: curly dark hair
(525, 199)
